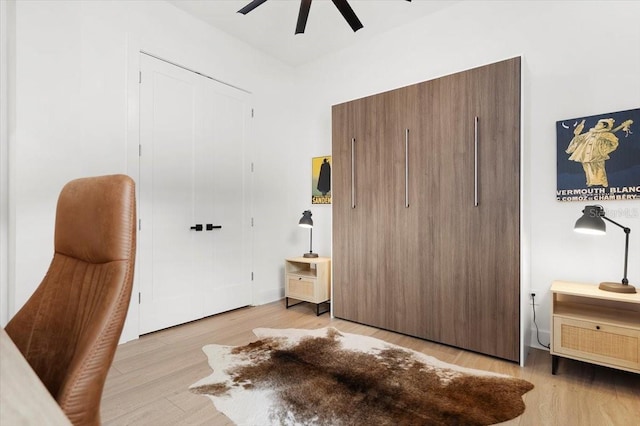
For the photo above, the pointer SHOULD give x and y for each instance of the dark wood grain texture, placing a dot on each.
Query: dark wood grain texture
(417, 255)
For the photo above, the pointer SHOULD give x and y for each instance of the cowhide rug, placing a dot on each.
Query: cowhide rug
(327, 377)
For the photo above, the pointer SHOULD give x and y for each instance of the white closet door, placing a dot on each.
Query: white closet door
(192, 132)
(222, 161)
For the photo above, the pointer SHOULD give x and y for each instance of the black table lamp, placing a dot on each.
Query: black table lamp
(591, 223)
(307, 222)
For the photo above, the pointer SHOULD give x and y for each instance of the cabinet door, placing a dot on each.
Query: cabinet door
(403, 210)
(344, 233)
(355, 161)
(494, 286)
(399, 268)
(364, 203)
(444, 193)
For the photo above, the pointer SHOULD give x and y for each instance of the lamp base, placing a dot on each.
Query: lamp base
(310, 254)
(617, 287)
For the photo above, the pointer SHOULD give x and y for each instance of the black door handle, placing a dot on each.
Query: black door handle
(198, 227)
(211, 227)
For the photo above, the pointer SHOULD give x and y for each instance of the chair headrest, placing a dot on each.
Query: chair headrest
(95, 219)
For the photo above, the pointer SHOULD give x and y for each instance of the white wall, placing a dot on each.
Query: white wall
(76, 115)
(579, 59)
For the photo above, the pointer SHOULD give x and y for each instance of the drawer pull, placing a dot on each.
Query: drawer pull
(597, 327)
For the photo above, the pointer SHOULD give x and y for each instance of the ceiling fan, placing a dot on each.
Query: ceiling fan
(342, 5)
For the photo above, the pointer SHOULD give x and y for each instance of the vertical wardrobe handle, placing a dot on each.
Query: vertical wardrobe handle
(353, 173)
(475, 162)
(406, 168)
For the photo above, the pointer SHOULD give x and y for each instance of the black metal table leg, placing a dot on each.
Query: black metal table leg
(288, 305)
(318, 313)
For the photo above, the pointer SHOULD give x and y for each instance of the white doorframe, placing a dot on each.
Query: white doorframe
(132, 323)
(7, 159)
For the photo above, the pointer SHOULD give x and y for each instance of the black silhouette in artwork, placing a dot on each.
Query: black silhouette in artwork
(324, 178)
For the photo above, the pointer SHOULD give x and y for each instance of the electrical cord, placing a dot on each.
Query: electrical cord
(533, 306)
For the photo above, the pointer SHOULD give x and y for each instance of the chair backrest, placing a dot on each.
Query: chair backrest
(69, 329)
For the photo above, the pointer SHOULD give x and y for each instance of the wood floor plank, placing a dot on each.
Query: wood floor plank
(148, 383)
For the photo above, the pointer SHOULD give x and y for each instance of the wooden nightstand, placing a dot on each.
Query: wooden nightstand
(596, 326)
(308, 280)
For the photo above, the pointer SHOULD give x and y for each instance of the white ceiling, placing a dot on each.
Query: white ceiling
(270, 27)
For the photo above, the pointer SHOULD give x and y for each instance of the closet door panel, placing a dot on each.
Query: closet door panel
(405, 231)
(446, 205)
(348, 227)
(422, 221)
(375, 188)
(360, 188)
(494, 326)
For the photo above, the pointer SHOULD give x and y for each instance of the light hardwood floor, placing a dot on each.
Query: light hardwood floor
(148, 382)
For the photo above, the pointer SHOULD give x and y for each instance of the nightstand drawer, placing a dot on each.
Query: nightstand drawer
(596, 341)
(301, 288)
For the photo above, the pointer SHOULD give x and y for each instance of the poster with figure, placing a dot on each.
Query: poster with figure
(321, 180)
(598, 157)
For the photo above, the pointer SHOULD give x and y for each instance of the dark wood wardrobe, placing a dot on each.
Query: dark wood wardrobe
(426, 210)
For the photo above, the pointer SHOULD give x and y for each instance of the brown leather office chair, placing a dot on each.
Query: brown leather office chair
(69, 329)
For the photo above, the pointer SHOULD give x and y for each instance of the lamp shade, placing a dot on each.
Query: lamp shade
(591, 221)
(306, 221)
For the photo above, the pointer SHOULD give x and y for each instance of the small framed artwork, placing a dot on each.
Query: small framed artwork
(598, 157)
(321, 180)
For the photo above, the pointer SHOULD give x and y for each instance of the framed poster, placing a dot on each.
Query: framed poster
(598, 157)
(321, 180)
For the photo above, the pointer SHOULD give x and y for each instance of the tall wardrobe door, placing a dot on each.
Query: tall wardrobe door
(404, 232)
(359, 172)
(494, 285)
(347, 225)
(444, 200)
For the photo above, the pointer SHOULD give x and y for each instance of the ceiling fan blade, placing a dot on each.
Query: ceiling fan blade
(348, 14)
(305, 5)
(248, 8)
